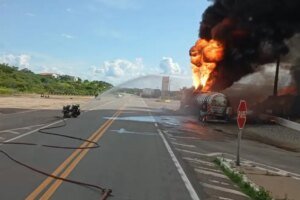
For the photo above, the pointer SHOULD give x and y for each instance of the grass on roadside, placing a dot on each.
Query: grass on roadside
(7, 91)
(261, 194)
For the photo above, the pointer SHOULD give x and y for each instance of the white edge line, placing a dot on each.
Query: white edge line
(180, 170)
(184, 177)
(184, 145)
(223, 189)
(25, 127)
(27, 111)
(12, 132)
(30, 132)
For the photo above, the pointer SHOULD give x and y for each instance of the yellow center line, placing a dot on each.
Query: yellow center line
(60, 168)
(71, 167)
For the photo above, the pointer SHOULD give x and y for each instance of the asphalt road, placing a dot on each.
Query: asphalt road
(133, 159)
(145, 153)
(27, 118)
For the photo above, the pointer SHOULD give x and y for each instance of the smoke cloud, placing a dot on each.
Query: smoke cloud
(254, 32)
(294, 57)
(258, 86)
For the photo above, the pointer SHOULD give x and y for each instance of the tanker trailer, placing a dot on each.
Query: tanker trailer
(213, 106)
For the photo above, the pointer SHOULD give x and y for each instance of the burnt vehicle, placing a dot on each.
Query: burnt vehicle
(71, 111)
(213, 106)
(207, 106)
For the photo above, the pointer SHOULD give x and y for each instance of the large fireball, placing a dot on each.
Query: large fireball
(204, 58)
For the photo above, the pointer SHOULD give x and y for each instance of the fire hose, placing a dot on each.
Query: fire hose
(105, 192)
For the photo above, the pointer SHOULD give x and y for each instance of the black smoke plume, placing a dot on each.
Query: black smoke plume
(254, 32)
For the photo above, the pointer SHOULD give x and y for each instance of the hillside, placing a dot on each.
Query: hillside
(13, 80)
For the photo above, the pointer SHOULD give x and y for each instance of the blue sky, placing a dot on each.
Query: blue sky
(111, 40)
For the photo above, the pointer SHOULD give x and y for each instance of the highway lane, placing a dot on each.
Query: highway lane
(133, 165)
(20, 121)
(133, 161)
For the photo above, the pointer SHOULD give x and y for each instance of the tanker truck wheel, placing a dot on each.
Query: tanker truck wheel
(202, 118)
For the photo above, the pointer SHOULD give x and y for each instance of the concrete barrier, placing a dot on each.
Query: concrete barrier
(282, 122)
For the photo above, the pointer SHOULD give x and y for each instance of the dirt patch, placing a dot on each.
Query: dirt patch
(280, 186)
(12, 104)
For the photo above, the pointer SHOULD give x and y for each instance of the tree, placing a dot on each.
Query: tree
(24, 81)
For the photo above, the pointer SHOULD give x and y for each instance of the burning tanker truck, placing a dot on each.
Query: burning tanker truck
(206, 105)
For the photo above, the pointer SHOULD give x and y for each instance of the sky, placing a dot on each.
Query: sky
(109, 40)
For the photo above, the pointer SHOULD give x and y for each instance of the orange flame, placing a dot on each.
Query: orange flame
(290, 90)
(204, 57)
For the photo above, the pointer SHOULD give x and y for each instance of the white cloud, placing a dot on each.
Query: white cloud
(168, 66)
(120, 68)
(39, 63)
(21, 61)
(30, 14)
(51, 69)
(24, 60)
(67, 36)
(69, 10)
(115, 71)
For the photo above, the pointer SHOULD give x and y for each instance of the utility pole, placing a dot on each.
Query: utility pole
(276, 77)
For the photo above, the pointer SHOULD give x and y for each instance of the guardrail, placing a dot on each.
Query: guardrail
(282, 121)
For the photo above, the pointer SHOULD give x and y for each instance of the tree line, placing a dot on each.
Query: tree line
(13, 80)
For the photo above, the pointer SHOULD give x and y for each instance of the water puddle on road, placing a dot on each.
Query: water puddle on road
(124, 131)
(167, 120)
(134, 118)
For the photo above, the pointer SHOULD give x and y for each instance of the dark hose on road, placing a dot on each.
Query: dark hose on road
(50, 175)
(105, 192)
(43, 131)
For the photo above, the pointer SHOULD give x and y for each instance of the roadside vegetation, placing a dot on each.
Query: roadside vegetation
(237, 178)
(14, 81)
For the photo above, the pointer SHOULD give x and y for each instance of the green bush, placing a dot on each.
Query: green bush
(7, 91)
